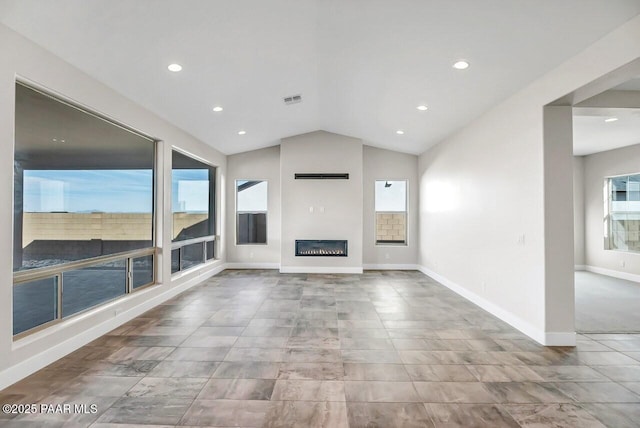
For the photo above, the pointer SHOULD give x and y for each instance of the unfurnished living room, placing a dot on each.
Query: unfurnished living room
(320, 213)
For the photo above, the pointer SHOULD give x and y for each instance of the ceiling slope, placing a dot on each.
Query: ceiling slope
(362, 66)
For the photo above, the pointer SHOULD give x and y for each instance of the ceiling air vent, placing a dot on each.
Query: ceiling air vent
(293, 99)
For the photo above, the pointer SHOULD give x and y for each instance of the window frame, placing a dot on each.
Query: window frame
(213, 207)
(406, 214)
(608, 205)
(237, 213)
(20, 278)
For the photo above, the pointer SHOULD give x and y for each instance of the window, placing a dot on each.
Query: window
(83, 210)
(623, 213)
(251, 212)
(193, 208)
(391, 212)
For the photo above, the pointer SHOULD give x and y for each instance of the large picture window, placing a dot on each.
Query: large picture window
(83, 210)
(193, 207)
(623, 213)
(251, 212)
(391, 212)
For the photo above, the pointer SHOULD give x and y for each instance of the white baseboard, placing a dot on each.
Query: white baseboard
(579, 267)
(252, 266)
(24, 368)
(559, 339)
(319, 269)
(614, 273)
(390, 267)
(544, 338)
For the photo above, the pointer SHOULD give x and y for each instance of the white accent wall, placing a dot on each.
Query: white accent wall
(381, 164)
(263, 164)
(597, 167)
(28, 61)
(377, 164)
(496, 220)
(578, 212)
(321, 209)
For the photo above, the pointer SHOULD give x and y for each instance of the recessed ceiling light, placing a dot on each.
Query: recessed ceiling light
(174, 67)
(422, 107)
(611, 119)
(217, 109)
(461, 65)
(242, 132)
(400, 132)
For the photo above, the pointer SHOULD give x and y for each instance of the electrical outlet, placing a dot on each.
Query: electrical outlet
(311, 210)
(622, 263)
(251, 254)
(387, 256)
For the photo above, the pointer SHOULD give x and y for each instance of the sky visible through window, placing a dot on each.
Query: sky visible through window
(78, 191)
(190, 190)
(112, 191)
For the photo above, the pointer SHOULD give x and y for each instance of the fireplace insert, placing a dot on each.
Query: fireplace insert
(321, 248)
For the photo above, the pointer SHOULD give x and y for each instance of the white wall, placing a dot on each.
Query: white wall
(27, 60)
(578, 212)
(596, 168)
(337, 204)
(483, 203)
(380, 164)
(261, 164)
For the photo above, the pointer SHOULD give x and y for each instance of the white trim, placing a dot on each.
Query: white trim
(24, 368)
(544, 338)
(319, 269)
(614, 273)
(579, 267)
(252, 266)
(390, 266)
(560, 339)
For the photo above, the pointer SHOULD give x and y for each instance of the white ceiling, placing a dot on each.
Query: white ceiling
(362, 66)
(591, 134)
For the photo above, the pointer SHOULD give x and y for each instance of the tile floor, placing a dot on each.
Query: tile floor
(383, 349)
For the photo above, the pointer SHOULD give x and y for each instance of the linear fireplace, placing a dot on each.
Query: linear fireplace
(321, 248)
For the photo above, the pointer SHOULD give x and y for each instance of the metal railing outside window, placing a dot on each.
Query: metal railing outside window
(189, 253)
(51, 294)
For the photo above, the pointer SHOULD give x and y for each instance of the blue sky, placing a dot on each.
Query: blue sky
(115, 191)
(126, 191)
(190, 190)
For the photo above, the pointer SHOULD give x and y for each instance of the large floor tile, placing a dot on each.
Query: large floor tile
(381, 349)
(397, 415)
(305, 414)
(470, 416)
(552, 415)
(226, 413)
(376, 391)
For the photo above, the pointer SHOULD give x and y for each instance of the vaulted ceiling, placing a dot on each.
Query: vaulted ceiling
(361, 66)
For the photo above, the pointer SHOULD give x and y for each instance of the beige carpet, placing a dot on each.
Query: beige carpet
(606, 305)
